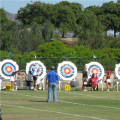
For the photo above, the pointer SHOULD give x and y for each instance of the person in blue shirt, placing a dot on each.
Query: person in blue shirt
(52, 78)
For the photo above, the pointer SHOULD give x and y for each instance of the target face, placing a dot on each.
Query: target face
(42, 69)
(67, 70)
(7, 67)
(95, 68)
(117, 70)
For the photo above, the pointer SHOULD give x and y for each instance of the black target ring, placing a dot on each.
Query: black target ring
(40, 72)
(67, 71)
(7, 69)
(95, 69)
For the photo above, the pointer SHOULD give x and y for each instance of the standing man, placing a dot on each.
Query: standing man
(52, 78)
(35, 69)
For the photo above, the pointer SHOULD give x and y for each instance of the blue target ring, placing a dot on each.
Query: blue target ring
(7, 69)
(40, 72)
(119, 71)
(67, 71)
(95, 69)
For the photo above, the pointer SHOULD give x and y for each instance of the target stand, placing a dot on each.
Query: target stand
(40, 74)
(97, 69)
(67, 71)
(0, 82)
(7, 66)
(116, 79)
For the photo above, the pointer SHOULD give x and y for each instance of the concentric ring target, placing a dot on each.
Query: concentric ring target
(39, 72)
(95, 68)
(117, 70)
(40, 65)
(7, 67)
(67, 70)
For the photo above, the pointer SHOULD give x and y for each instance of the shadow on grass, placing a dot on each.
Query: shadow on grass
(36, 101)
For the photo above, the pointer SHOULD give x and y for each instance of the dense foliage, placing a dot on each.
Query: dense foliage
(55, 52)
(40, 22)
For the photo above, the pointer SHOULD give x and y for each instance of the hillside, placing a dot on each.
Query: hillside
(10, 16)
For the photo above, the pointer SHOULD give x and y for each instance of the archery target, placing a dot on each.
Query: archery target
(42, 69)
(117, 70)
(95, 68)
(67, 70)
(7, 67)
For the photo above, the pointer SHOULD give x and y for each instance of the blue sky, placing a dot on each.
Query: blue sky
(12, 6)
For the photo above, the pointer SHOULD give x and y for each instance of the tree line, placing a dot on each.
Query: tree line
(52, 53)
(39, 22)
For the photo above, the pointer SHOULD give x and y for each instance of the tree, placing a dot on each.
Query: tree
(90, 31)
(110, 16)
(118, 1)
(36, 12)
(63, 18)
(47, 30)
(3, 16)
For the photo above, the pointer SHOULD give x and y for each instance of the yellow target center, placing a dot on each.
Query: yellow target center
(67, 71)
(94, 71)
(8, 69)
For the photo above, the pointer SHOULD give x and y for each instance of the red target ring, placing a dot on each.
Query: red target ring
(94, 71)
(67, 70)
(8, 69)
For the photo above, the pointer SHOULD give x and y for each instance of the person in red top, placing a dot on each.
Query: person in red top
(93, 81)
(108, 75)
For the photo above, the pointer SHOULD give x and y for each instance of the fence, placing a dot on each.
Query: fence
(78, 61)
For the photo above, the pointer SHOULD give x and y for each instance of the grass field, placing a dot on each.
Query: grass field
(71, 105)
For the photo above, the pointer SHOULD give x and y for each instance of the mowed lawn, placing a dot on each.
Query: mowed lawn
(71, 105)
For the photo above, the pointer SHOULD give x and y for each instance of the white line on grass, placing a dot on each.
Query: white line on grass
(69, 102)
(53, 112)
(90, 95)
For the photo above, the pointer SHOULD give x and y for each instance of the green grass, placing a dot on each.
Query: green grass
(71, 105)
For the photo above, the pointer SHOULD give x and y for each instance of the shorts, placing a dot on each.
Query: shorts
(12, 78)
(94, 86)
(108, 80)
(85, 80)
(34, 77)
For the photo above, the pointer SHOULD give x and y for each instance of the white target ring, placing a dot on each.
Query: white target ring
(95, 68)
(117, 70)
(67, 70)
(7, 67)
(42, 69)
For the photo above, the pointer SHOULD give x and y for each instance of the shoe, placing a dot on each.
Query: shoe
(13, 90)
(35, 89)
(84, 90)
(107, 90)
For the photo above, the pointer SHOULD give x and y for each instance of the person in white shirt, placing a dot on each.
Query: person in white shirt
(34, 69)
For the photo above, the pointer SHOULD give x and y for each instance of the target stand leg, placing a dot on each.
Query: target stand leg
(117, 85)
(102, 86)
(40, 86)
(43, 85)
(0, 83)
(59, 85)
(16, 88)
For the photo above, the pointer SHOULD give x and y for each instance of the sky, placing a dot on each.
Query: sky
(12, 6)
